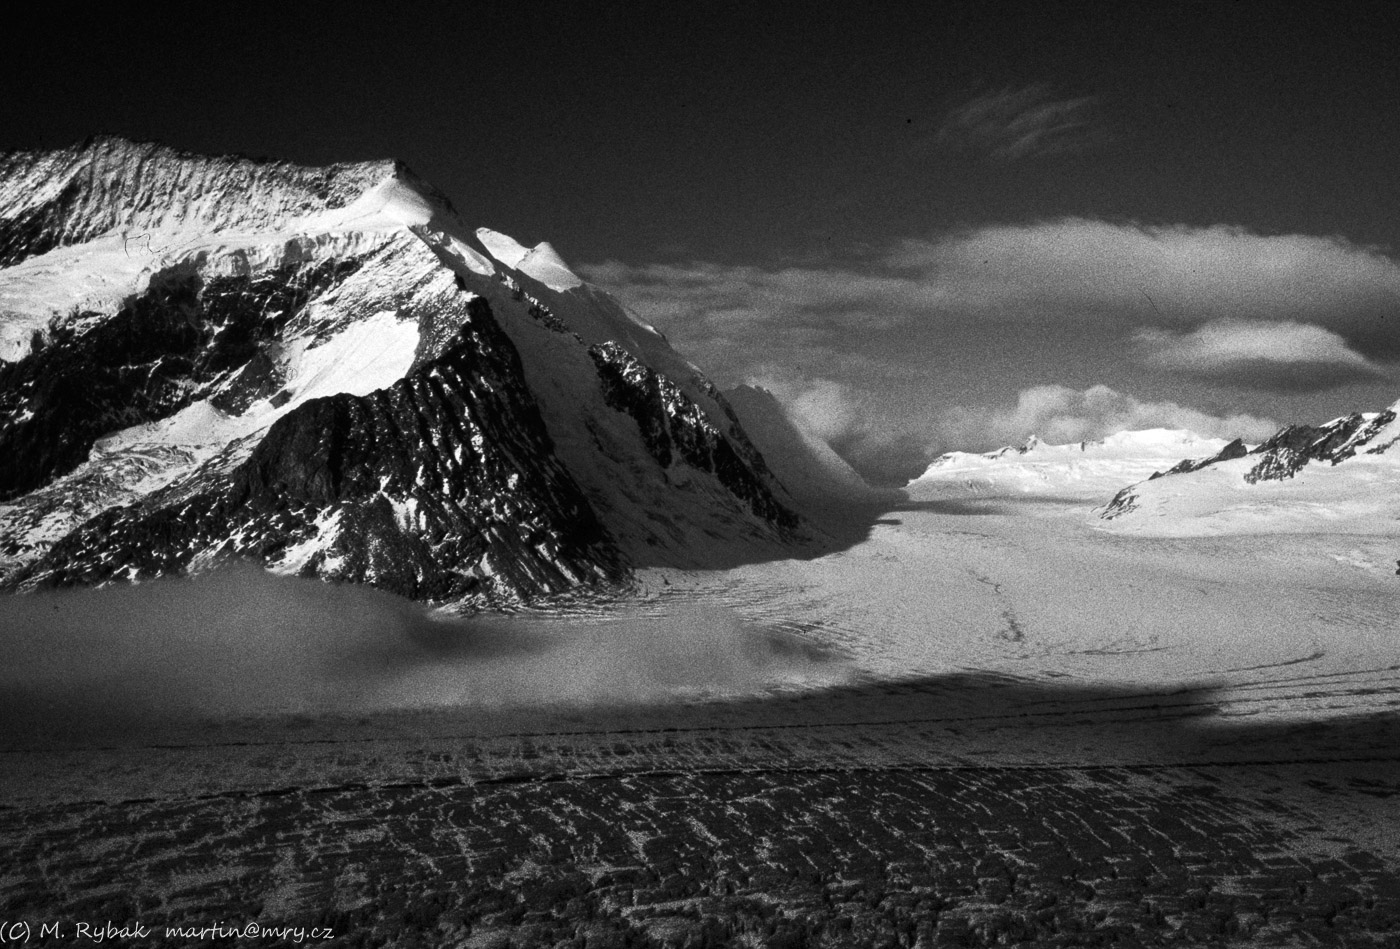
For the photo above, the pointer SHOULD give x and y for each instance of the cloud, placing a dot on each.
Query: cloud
(816, 297)
(123, 660)
(826, 408)
(1119, 277)
(1013, 124)
(1283, 356)
(1130, 273)
(1060, 415)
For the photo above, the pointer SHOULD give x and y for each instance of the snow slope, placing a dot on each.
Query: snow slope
(1084, 470)
(808, 467)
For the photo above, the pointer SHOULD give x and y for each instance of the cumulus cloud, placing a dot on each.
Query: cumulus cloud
(1060, 415)
(1284, 356)
(1012, 124)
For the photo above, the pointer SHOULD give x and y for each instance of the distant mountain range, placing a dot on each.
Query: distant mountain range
(1081, 470)
(326, 371)
(1341, 476)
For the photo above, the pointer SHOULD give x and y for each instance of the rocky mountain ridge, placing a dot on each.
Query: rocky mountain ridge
(1287, 452)
(327, 372)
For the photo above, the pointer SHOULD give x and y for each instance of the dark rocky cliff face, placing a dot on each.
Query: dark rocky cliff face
(1295, 446)
(674, 428)
(186, 337)
(442, 486)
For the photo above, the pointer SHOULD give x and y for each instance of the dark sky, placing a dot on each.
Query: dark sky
(737, 132)
(763, 151)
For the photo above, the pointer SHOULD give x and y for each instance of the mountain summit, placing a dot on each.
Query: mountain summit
(325, 371)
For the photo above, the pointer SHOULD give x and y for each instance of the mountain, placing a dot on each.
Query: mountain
(1090, 470)
(1342, 476)
(326, 371)
(806, 465)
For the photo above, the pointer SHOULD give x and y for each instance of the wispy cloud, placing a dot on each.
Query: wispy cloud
(1283, 356)
(1060, 415)
(1016, 123)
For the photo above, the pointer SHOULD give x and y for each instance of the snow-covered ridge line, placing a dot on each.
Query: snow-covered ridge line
(85, 228)
(1341, 476)
(1151, 442)
(542, 262)
(1092, 470)
(107, 184)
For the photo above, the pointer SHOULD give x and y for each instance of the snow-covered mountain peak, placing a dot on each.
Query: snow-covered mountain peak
(542, 262)
(327, 371)
(504, 248)
(111, 185)
(84, 228)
